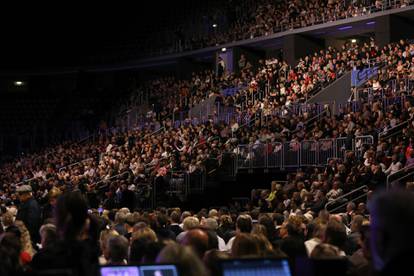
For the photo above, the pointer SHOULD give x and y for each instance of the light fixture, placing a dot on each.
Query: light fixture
(18, 83)
(214, 25)
(353, 40)
(223, 49)
(344, 28)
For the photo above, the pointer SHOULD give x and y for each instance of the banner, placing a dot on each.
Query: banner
(359, 77)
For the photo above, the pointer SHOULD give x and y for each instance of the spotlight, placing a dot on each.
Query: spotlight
(353, 40)
(18, 83)
(214, 25)
(223, 49)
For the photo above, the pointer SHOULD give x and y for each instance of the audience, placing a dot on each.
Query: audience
(87, 214)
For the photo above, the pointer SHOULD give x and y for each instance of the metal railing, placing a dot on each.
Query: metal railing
(105, 180)
(75, 163)
(393, 180)
(395, 130)
(295, 154)
(343, 200)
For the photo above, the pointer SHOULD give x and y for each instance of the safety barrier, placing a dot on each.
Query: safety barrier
(342, 201)
(295, 154)
(195, 182)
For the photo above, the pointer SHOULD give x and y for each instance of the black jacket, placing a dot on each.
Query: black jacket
(78, 257)
(29, 212)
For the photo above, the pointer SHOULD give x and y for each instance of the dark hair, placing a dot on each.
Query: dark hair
(175, 217)
(71, 214)
(335, 233)
(10, 248)
(118, 248)
(244, 223)
(244, 245)
(267, 222)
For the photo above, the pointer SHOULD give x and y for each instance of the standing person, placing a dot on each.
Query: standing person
(71, 252)
(29, 211)
(49, 209)
(391, 229)
(221, 67)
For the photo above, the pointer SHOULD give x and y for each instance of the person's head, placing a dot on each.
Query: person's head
(190, 223)
(175, 217)
(103, 240)
(53, 195)
(350, 207)
(391, 226)
(198, 240)
(356, 223)
(212, 260)
(213, 213)
(24, 193)
(10, 248)
(325, 251)
(318, 230)
(48, 235)
(244, 245)
(120, 217)
(7, 219)
(244, 224)
(335, 233)
(145, 234)
(210, 224)
(188, 262)
(71, 215)
(117, 249)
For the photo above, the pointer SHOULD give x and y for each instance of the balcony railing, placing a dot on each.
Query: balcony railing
(294, 154)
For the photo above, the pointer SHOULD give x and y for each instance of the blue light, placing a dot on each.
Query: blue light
(345, 28)
(370, 23)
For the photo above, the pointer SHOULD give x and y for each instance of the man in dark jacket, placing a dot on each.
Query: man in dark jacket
(29, 211)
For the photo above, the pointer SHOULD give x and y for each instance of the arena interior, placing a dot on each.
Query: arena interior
(219, 137)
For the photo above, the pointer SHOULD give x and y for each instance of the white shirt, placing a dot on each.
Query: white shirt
(311, 244)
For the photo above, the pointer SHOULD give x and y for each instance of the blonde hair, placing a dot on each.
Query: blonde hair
(105, 236)
(8, 219)
(25, 239)
(145, 233)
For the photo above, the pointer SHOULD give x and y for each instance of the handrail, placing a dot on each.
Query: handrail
(73, 164)
(405, 169)
(344, 196)
(404, 176)
(112, 177)
(24, 181)
(346, 203)
(245, 124)
(384, 133)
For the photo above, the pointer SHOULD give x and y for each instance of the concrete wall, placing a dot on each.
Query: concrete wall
(337, 92)
(296, 46)
(391, 28)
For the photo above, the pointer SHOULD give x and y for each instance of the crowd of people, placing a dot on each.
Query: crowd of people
(251, 19)
(84, 197)
(76, 240)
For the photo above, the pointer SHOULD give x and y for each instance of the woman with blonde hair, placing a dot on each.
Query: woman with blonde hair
(27, 251)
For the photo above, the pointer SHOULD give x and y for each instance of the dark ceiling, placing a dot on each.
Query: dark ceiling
(33, 37)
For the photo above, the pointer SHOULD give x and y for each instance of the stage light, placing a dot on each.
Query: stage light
(214, 25)
(18, 83)
(353, 40)
(223, 49)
